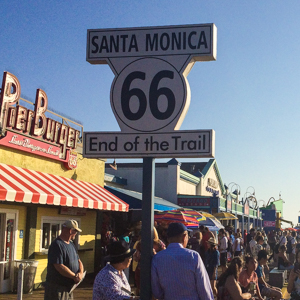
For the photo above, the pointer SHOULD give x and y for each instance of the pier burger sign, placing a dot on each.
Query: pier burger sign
(30, 130)
(150, 94)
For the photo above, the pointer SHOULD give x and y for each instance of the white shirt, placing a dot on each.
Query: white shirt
(293, 242)
(282, 241)
(223, 244)
(252, 245)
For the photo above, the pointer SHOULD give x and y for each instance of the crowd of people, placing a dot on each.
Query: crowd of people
(185, 264)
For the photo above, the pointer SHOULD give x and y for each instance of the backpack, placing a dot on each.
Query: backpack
(289, 248)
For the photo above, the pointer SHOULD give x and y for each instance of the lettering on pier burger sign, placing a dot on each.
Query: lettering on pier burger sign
(150, 94)
(30, 130)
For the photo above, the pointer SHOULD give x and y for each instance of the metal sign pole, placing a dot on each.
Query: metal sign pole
(147, 226)
(20, 282)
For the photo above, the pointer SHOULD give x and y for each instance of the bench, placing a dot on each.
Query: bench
(277, 277)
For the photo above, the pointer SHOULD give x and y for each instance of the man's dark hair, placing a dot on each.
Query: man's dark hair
(262, 254)
(252, 229)
(293, 233)
(201, 227)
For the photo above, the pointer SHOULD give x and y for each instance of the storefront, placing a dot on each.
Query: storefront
(44, 180)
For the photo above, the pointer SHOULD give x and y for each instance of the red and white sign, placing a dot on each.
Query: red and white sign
(30, 130)
(269, 224)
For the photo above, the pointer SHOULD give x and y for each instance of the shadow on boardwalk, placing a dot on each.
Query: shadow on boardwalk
(83, 292)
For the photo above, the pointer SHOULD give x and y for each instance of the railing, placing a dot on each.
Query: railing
(222, 203)
(239, 208)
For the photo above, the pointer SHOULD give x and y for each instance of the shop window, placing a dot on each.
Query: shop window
(51, 229)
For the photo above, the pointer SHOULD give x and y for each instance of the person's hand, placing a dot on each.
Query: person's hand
(80, 275)
(76, 278)
(247, 295)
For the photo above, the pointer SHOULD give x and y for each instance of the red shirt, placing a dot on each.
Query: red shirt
(205, 238)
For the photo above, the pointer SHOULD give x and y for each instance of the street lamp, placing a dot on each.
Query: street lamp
(237, 192)
(251, 197)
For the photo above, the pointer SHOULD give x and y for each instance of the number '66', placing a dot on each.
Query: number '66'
(154, 94)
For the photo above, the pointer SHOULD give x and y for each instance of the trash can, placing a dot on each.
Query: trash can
(29, 266)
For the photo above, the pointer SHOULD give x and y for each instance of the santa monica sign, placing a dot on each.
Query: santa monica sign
(150, 94)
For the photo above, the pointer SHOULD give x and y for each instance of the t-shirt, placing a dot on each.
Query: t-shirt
(293, 242)
(282, 241)
(62, 253)
(252, 245)
(260, 274)
(223, 244)
(245, 279)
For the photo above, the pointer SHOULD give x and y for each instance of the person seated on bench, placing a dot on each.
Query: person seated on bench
(294, 280)
(266, 290)
(228, 286)
(248, 277)
(283, 262)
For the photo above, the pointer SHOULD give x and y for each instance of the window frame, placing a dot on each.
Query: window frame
(53, 221)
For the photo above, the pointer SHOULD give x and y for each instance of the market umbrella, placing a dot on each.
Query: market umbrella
(212, 223)
(196, 214)
(206, 214)
(225, 216)
(178, 215)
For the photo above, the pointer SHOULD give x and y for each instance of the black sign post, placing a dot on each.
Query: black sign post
(147, 226)
(150, 97)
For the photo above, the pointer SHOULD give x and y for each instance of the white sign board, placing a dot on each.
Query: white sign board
(199, 41)
(150, 94)
(194, 143)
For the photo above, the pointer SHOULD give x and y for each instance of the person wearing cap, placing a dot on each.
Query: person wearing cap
(64, 266)
(111, 282)
(178, 273)
(212, 261)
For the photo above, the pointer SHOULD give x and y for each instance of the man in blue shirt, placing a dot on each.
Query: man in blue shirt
(64, 266)
(178, 273)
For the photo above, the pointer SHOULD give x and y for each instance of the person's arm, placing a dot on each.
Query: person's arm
(234, 290)
(292, 278)
(66, 272)
(81, 269)
(286, 259)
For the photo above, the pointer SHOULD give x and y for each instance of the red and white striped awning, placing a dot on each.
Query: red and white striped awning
(27, 186)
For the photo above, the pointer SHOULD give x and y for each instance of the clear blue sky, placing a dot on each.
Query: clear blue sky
(249, 95)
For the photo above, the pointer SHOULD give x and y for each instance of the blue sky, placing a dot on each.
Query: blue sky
(249, 95)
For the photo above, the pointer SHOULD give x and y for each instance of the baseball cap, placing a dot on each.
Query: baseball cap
(175, 229)
(72, 224)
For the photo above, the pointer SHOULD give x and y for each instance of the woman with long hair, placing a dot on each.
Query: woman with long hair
(228, 286)
(158, 245)
(248, 277)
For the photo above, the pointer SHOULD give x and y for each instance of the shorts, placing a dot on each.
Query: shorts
(266, 292)
(56, 292)
(223, 259)
(213, 275)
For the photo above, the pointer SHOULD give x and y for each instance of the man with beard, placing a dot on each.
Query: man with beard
(64, 266)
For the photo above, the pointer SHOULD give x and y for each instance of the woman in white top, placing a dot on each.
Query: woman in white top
(237, 245)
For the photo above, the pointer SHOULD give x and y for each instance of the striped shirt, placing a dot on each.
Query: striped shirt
(179, 274)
